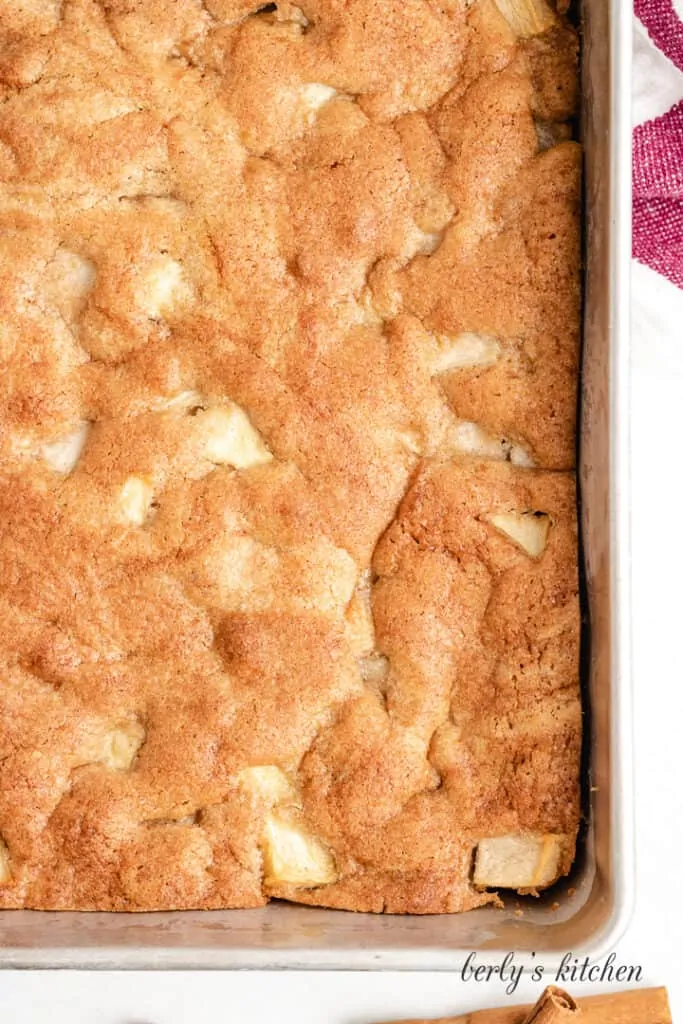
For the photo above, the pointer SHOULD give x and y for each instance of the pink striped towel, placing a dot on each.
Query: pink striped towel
(658, 144)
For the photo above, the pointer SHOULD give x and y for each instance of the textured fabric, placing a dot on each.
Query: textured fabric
(664, 26)
(658, 142)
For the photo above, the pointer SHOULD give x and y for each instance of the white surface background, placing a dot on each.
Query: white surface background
(654, 938)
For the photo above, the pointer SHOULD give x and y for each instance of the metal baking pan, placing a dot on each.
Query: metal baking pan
(587, 912)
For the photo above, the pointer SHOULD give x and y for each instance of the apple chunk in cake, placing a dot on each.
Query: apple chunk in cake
(290, 319)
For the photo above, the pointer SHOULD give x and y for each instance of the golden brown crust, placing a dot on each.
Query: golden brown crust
(272, 284)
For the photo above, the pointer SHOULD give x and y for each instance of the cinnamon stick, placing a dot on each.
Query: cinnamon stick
(554, 1007)
(637, 1006)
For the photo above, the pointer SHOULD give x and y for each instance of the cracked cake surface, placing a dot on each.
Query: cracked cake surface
(288, 564)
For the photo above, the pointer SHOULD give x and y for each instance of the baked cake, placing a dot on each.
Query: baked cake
(288, 562)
